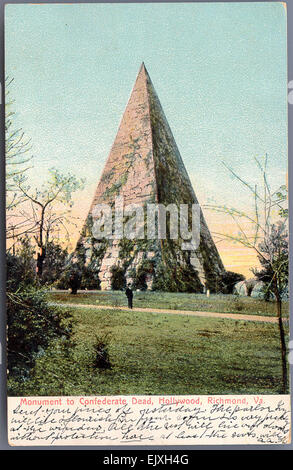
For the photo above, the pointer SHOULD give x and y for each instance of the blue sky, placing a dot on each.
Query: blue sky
(220, 71)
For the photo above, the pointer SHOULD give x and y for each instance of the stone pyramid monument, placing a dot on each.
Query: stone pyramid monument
(144, 166)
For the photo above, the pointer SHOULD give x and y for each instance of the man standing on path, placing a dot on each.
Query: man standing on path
(129, 295)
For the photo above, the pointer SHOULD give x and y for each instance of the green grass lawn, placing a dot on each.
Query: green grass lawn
(161, 354)
(177, 301)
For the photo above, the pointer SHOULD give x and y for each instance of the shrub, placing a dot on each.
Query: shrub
(20, 271)
(118, 281)
(101, 359)
(139, 278)
(54, 263)
(229, 279)
(88, 277)
(236, 304)
(176, 278)
(46, 378)
(32, 325)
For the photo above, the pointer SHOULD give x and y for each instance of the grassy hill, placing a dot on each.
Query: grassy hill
(159, 354)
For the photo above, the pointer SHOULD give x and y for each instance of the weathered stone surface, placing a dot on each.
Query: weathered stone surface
(250, 287)
(144, 165)
(240, 288)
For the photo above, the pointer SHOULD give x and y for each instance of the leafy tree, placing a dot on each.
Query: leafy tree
(55, 263)
(264, 231)
(90, 276)
(49, 208)
(274, 260)
(118, 281)
(21, 266)
(33, 324)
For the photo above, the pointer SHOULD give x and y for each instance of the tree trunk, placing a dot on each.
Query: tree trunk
(40, 262)
(41, 254)
(282, 339)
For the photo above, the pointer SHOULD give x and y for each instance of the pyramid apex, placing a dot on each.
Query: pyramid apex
(142, 68)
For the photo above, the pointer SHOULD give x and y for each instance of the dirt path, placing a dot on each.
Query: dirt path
(231, 316)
